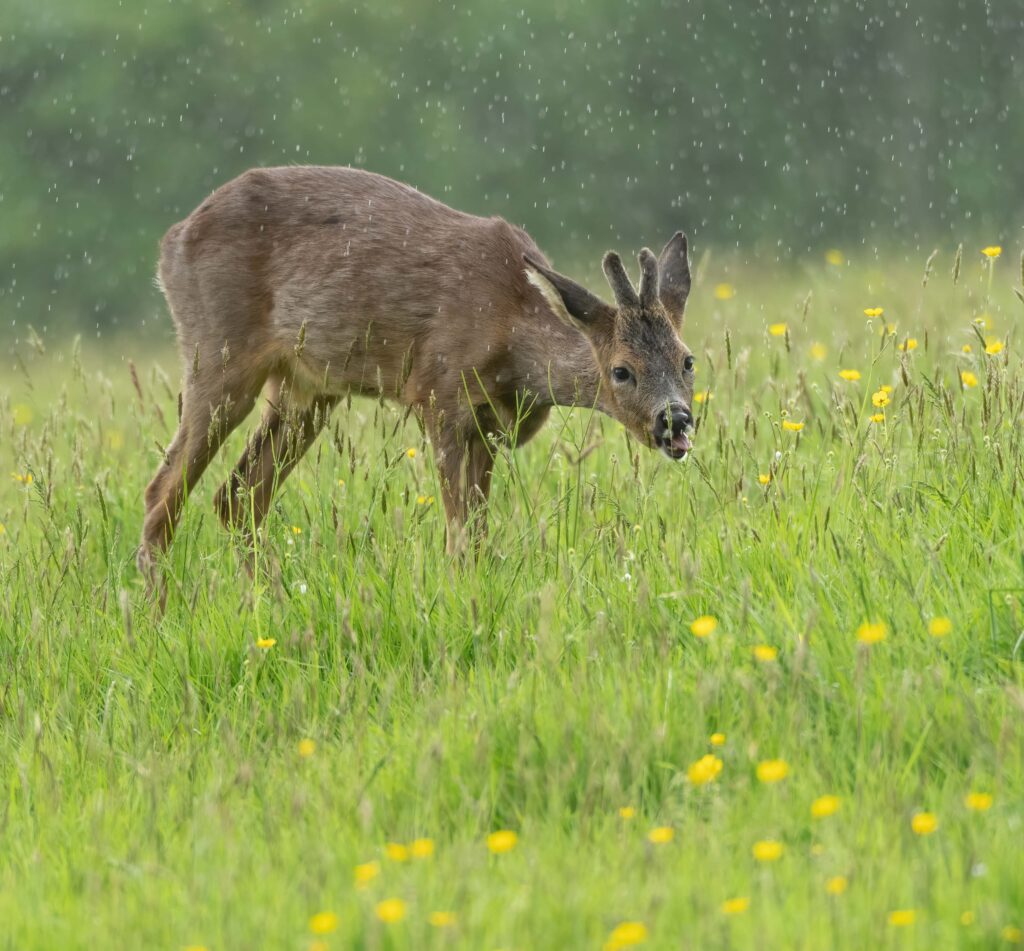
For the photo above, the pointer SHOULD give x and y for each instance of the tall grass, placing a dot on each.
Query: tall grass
(157, 791)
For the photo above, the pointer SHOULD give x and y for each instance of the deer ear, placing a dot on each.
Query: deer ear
(571, 302)
(674, 277)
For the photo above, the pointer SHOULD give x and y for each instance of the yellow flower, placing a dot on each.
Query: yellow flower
(992, 251)
(296, 530)
(421, 848)
(25, 479)
(909, 344)
(626, 934)
(825, 806)
(706, 769)
(772, 770)
(265, 643)
(967, 918)
(735, 906)
(978, 801)
(982, 320)
(777, 330)
(880, 398)
(702, 396)
(874, 311)
(885, 388)
(1012, 934)
(718, 739)
(661, 835)
(902, 917)
(366, 873)
(2, 528)
(877, 417)
(391, 910)
(939, 626)
(924, 823)
(306, 748)
(835, 257)
(871, 632)
(703, 626)
(836, 885)
(396, 852)
(22, 414)
(323, 922)
(441, 919)
(724, 291)
(411, 452)
(504, 840)
(764, 478)
(818, 351)
(791, 426)
(993, 347)
(767, 850)
(851, 375)
(627, 812)
(967, 348)
(968, 379)
(766, 653)
(341, 483)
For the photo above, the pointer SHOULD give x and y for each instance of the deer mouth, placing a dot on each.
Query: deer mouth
(677, 446)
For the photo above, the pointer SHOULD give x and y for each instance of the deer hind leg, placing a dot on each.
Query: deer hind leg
(281, 441)
(211, 408)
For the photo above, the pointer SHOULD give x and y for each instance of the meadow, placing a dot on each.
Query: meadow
(770, 697)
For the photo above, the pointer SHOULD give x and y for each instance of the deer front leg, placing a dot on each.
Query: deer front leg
(464, 465)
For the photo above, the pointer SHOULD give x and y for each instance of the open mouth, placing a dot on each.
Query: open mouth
(676, 447)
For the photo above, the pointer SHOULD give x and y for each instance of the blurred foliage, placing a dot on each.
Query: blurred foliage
(771, 126)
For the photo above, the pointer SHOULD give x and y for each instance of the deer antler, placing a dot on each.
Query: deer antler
(622, 288)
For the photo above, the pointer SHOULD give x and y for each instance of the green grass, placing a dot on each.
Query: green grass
(153, 793)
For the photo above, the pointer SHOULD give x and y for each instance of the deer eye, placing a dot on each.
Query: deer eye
(688, 364)
(621, 374)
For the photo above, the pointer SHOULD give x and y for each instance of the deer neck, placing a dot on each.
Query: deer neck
(571, 376)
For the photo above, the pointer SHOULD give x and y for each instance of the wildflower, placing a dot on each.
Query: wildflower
(885, 388)
(724, 292)
(924, 823)
(25, 479)
(366, 873)
(706, 769)
(836, 885)
(992, 347)
(851, 375)
(871, 632)
(880, 398)
(992, 251)
(735, 906)
(877, 417)
(764, 478)
(391, 910)
(421, 848)
(767, 850)
(627, 812)
(874, 311)
(978, 801)
(504, 840)
(939, 626)
(702, 396)
(411, 452)
(777, 330)
(772, 770)
(968, 379)
(625, 935)
(306, 748)
(902, 917)
(323, 922)
(791, 426)
(967, 348)
(2, 528)
(818, 352)
(718, 739)
(661, 835)
(703, 626)
(981, 321)
(341, 483)
(825, 806)
(265, 643)
(835, 257)
(22, 414)
(396, 852)
(765, 653)
(441, 919)
(1012, 935)
(967, 918)
(909, 344)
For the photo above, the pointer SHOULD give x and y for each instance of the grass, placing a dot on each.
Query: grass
(155, 791)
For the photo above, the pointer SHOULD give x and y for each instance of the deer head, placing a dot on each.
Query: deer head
(646, 371)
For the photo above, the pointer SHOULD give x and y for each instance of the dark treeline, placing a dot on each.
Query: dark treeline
(769, 125)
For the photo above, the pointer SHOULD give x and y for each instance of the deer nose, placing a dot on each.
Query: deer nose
(672, 421)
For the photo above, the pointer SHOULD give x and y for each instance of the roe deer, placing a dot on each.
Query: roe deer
(321, 281)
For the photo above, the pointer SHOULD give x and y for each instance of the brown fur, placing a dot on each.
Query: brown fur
(319, 281)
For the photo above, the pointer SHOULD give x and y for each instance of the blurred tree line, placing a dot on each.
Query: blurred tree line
(771, 126)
